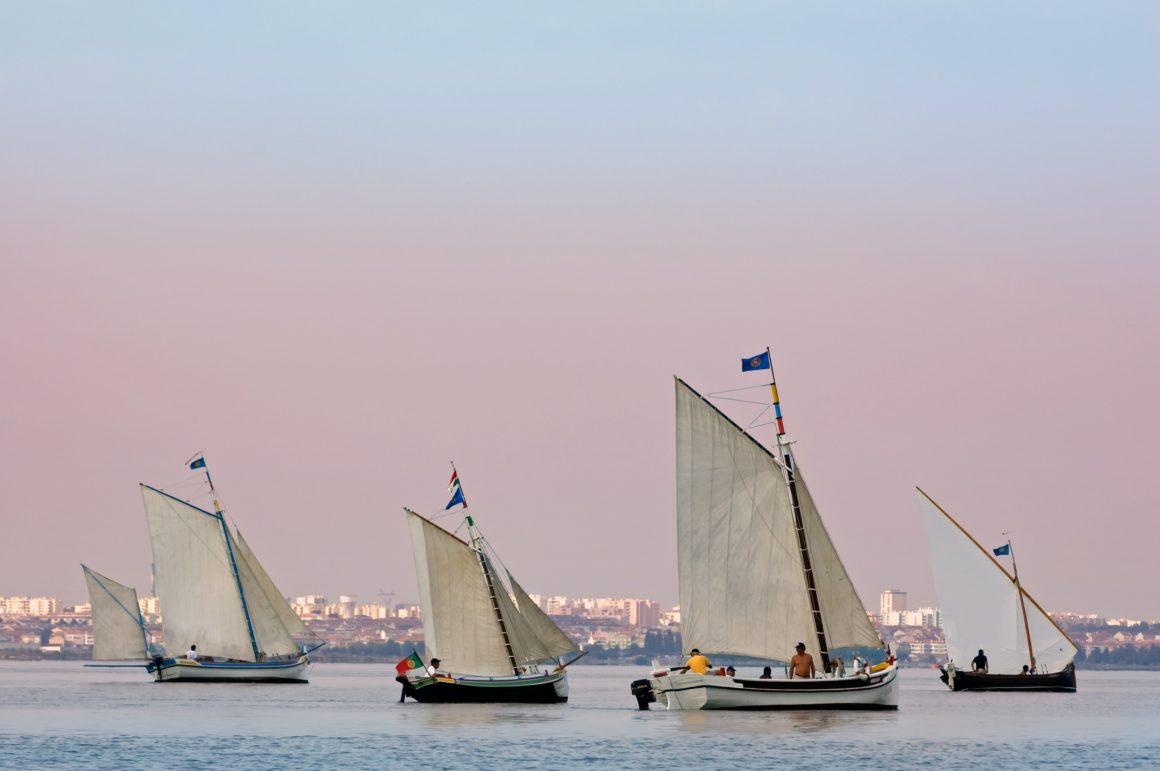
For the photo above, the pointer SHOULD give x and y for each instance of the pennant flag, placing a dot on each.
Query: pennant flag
(409, 663)
(761, 361)
(1003, 550)
(456, 498)
(199, 463)
(454, 480)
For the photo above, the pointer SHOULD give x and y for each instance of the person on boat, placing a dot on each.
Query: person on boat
(802, 663)
(979, 663)
(766, 674)
(191, 654)
(837, 668)
(730, 672)
(1026, 670)
(697, 663)
(433, 667)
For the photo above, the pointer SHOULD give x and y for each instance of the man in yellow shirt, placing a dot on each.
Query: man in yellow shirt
(697, 663)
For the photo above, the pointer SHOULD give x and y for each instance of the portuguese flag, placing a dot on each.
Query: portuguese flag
(411, 662)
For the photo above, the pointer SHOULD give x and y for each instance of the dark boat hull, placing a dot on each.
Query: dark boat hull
(551, 689)
(1062, 681)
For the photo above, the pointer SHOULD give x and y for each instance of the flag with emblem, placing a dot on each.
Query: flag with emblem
(409, 663)
(760, 361)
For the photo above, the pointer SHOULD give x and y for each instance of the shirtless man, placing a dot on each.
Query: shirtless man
(802, 663)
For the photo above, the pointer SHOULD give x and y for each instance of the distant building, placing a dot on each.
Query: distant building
(890, 601)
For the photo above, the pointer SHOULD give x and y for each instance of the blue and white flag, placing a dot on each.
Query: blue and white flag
(761, 361)
(199, 463)
(1003, 550)
(456, 498)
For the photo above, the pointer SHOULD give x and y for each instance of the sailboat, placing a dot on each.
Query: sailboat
(985, 608)
(214, 595)
(493, 641)
(758, 573)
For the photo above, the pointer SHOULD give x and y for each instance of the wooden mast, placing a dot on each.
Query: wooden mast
(803, 546)
(1022, 605)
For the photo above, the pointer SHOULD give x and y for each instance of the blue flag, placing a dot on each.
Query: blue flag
(199, 463)
(1003, 550)
(761, 361)
(456, 499)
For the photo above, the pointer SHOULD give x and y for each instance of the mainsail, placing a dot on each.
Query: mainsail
(742, 583)
(980, 604)
(460, 623)
(118, 631)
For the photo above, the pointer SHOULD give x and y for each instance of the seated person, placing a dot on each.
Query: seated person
(766, 674)
(837, 668)
(730, 672)
(697, 663)
(433, 667)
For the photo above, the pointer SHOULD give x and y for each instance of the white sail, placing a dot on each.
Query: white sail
(275, 624)
(980, 605)
(195, 580)
(553, 639)
(843, 614)
(742, 586)
(459, 622)
(527, 648)
(118, 632)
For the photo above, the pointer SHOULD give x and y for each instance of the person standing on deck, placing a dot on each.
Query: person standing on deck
(979, 663)
(802, 663)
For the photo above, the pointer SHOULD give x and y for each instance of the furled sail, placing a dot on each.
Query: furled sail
(742, 584)
(553, 639)
(195, 580)
(276, 626)
(118, 631)
(980, 604)
(459, 622)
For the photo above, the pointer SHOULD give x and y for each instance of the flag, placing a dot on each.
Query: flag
(454, 480)
(761, 361)
(199, 463)
(411, 662)
(1003, 550)
(456, 497)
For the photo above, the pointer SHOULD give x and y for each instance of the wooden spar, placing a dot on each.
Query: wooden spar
(1022, 605)
(799, 526)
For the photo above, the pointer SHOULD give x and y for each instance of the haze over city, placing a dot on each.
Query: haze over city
(337, 248)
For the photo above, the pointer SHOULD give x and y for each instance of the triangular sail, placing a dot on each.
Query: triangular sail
(459, 622)
(553, 639)
(526, 645)
(200, 601)
(844, 615)
(118, 631)
(276, 626)
(980, 606)
(742, 586)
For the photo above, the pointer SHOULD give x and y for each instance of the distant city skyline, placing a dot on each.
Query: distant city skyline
(338, 250)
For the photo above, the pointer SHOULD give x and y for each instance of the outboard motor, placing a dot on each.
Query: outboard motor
(643, 692)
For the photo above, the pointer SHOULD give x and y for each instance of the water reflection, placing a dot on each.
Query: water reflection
(786, 722)
(445, 717)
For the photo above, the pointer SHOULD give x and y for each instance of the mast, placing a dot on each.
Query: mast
(477, 547)
(217, 508)
(1022, 605)
(785, 450)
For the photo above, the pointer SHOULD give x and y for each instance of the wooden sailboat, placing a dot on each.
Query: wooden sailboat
(492, 641)
(214, 594)
(758, 572)
(983, 607)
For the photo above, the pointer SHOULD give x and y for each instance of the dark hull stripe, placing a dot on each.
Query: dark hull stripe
(440, 692)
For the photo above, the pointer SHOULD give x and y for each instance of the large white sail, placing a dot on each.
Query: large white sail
(742, 586)
(117, 628)
(980, 604)
(553, 639)
(275, 624)
(195, 580)
(459, 622)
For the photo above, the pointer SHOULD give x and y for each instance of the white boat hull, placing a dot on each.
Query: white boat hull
(185, 670)
(685, 691)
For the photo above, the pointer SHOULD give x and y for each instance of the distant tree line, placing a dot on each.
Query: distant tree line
(1125, 657)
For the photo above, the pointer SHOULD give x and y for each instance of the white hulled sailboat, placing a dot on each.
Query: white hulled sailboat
(215, 595)
(758, 573)
(983, 607)
(491, 640)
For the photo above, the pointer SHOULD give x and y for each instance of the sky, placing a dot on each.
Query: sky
(338, 246)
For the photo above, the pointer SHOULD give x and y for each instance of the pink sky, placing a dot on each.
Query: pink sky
(336, 264)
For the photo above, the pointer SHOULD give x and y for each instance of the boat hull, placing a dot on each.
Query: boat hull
(187, 671)
(468, 689)
(687, 691)
(1062, 681)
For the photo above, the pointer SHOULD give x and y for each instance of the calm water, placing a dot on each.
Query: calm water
(61, 715)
